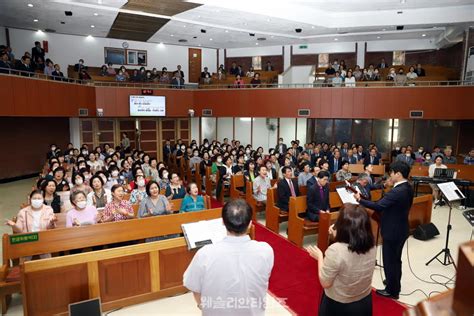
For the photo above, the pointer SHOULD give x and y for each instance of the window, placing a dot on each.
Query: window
(398, 58)
(324, 130)
(362, 132)
(323, 60)
(382, 133)
(257, 62)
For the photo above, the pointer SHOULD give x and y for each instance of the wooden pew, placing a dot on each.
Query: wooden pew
(198, 179)
(256, 205)
(119, 276)
(420, 213)
(378, 170)
(273, 214)
(237, 182)
(334, 185)
(299, 227)
(65, 239)
(210, 186)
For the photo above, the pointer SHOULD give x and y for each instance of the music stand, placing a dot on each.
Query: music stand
(449, 193)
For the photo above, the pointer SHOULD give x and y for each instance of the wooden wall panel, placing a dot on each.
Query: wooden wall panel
(124, 277)
(173, 263)
(46, 290)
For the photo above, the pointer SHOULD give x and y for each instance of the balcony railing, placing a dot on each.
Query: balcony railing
(191, 86)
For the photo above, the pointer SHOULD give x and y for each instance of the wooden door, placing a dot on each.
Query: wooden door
(194, 58)
(149, 136)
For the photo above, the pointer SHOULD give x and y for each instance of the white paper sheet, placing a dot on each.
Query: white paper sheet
(451, 191)
(346, 196)
(213, 230)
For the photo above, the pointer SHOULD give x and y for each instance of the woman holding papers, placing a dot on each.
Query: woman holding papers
(192, 201)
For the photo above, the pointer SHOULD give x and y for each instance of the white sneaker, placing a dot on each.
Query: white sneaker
(436, 201)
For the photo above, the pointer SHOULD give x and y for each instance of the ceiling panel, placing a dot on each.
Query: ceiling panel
(135, 27)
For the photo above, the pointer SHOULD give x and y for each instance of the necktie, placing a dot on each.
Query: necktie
(292, 189)
(335, 164)
(321, 193)
(371, 160)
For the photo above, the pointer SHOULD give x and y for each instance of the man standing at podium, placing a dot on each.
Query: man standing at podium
(394, 208)
(231, 276)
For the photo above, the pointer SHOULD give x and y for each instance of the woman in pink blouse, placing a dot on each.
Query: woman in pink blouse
(118, 209)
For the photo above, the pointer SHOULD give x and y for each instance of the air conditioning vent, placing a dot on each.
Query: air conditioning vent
(207, 112)
(83, 112)
(416, 114)
(304, 112)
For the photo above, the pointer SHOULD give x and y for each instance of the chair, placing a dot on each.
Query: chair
(237, 182)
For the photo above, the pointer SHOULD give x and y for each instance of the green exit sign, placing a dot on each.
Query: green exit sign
(24, 238)
(303, 46)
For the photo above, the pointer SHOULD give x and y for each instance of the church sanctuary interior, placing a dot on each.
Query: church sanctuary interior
(216, 157)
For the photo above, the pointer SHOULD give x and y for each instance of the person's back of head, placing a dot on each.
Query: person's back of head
(353, 228)
(237, 216)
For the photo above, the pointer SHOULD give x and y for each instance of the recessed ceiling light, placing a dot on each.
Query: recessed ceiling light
(272, 36)
(384, 29)
(227, 31)
(256, 43)
(403, 1)
(161, 43)
(30, 5)
(423, 35)
(336, 39)
(199, 16)
(40, 32)
(171, 35)
(312, 26)
(92, 26)
(435, 27)
(199, 45)
(184, 25)
(378, 36)
(96, 14)
(210, 39)
(268, 20)
(89, 37)
(35, 20)
(245, 23)
(99, 1)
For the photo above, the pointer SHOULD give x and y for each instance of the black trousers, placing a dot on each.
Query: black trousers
(330, 307)
(392, 264)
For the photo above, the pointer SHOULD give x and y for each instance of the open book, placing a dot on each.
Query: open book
(202, 233)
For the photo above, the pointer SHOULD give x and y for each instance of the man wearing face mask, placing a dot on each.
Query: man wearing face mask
(400, 79)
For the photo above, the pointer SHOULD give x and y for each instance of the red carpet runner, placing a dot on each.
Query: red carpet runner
(294, 277)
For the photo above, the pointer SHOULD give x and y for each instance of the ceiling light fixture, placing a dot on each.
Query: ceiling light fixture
(210, 39)
(268, 20)
(256, 43)
(30, 5)
(384, 30)
(40, 32)
(89, 37)
(171, 35)
(378, 36)
(35, 20)
(96, 14)
(227, 31)
(92, 26)
(423, 35)
(99, 1)
(312, 26)
(403, 1)
(336, 39)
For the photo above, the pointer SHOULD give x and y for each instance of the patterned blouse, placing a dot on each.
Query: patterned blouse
(112, 207)
(137, 195)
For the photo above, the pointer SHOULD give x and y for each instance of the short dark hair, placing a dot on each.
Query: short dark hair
(148, 186)
(322, 174)
(260, 167)
(96, 176)
(283, 170)
(80, 175)
(402, 167)
(188, 187)
(353, 228)
(115, 187)
(237, 215)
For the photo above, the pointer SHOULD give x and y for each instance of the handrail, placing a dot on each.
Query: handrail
(219, 86)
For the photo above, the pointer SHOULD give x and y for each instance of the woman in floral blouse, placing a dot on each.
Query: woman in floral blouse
(118, 209)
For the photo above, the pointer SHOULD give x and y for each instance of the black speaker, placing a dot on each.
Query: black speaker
(426, 232)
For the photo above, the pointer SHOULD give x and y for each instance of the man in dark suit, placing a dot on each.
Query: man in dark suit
(350, 157)
(37, 53)
(372, 158)
(5, 67)
(317, 199)
(286, 188)
(25, 66)
(167, 150)
(311, 181)
(281, 147)
(269, 67)
(335, 162)
(394, 208)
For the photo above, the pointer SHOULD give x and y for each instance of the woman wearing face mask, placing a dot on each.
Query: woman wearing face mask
(118, 209)
(205, 162)
(428, 161)
(78, 181)
(180, 151)
(133, 184)
(153, 170)
(192, 201)
(225, 172)
(164, 178)
(139, 193)
(34, 218)
(99, 197)
(195, 159)
(239, 168)
(175, 190)
(50, 197)
(82, 214)
(115, 177)
(217, 163)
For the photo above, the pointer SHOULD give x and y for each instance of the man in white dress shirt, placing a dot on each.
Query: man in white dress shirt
(231, 276)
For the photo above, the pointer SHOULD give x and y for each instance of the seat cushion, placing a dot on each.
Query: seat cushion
(13, 274)
(310, 224)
